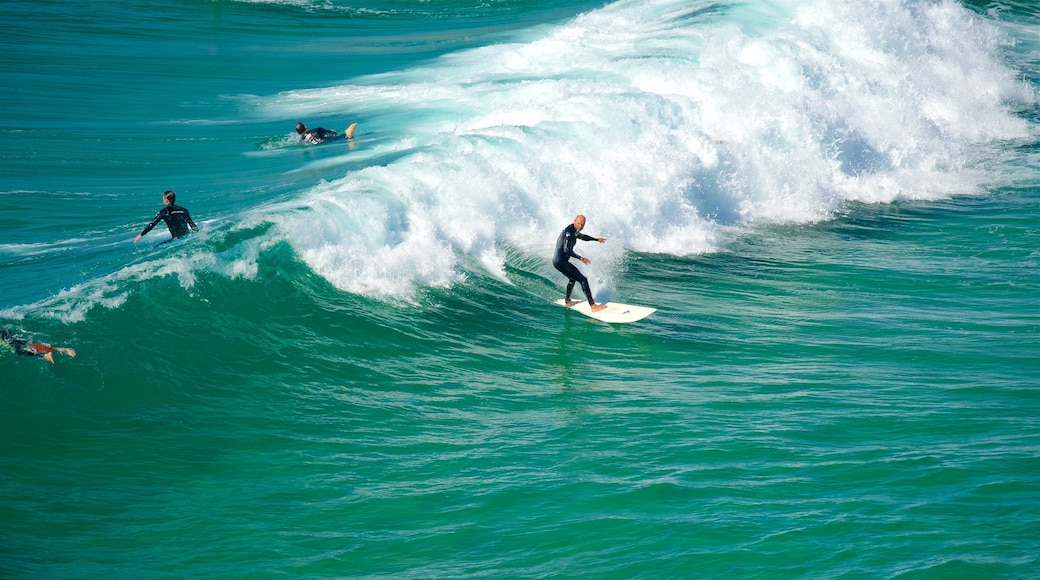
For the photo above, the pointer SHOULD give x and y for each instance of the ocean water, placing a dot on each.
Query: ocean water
(355, 368)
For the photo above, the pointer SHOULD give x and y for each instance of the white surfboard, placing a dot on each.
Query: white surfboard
(615, 312)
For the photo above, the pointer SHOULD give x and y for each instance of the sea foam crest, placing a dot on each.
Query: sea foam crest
(667, 123)
(111, 291)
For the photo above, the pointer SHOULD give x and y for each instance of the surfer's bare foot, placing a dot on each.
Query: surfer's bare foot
(350, 131)
(570, 303)
(598, 307)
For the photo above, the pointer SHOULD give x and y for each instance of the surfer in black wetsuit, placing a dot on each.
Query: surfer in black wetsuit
(176, 217)
(565, 251)
(320, 134)
(37, 349)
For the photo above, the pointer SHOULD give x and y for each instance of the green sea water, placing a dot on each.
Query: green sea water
(355, 369)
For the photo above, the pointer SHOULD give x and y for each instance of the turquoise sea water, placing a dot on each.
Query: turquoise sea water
(355, 369)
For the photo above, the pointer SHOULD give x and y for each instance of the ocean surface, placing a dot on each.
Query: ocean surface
(356, 370)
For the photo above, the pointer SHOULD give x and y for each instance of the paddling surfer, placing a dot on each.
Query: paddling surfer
(23, 347)
(561, 261)
(321, 134)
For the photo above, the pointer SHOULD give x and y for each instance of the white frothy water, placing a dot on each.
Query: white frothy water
(667, 123)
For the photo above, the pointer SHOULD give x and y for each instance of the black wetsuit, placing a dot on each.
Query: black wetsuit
(19, 344)
(317, 135)
(177, 219)
(564, 252)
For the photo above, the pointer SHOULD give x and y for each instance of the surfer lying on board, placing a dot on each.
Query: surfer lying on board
(37, 349)
(320, 134)
(562, 260)
(176, 217)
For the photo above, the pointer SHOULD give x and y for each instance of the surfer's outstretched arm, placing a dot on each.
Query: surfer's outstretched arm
(149, 227)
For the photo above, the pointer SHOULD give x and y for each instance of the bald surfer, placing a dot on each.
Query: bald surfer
(562, 261)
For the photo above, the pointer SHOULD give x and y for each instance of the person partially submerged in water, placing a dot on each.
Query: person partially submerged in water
(320, 134)
(177, 219)
(23, 347)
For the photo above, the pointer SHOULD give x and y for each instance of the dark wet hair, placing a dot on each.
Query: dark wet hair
(170, 195)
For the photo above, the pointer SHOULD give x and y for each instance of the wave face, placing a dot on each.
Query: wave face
(669, 123)
(672, 125)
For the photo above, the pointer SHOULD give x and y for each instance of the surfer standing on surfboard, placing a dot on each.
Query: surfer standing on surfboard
(321, 134)
(562, 260)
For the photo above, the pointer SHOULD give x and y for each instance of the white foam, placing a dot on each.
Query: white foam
(665, 126)
(111, 291)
